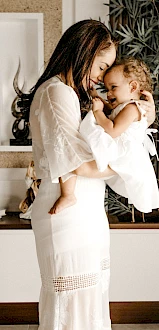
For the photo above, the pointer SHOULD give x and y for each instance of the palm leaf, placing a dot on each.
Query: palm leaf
(114, 205)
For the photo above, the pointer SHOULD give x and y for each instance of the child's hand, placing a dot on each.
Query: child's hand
(93, 92)
(97, 104)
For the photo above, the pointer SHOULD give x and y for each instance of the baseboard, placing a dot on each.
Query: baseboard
(121, 312)
(134, 312)
(18, 313)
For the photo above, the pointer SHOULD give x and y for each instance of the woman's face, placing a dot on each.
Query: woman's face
(100, 65)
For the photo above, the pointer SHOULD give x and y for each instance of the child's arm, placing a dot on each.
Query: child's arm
(67, 197)
(121, 122)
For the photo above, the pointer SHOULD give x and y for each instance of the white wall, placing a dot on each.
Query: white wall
(12, 188)
(19, 275)
(76, 10)
(134, 266)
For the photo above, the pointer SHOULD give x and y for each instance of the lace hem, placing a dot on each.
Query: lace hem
(67, 283)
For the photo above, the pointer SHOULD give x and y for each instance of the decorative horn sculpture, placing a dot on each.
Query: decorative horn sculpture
(20, 110)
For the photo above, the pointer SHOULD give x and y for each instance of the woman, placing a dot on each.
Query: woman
(73, 245)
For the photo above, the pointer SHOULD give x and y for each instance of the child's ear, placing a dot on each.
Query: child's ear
(134, 86)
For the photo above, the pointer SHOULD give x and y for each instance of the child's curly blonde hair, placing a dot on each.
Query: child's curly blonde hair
(136, 69)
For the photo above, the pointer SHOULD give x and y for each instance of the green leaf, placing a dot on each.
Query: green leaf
(143, 27)
(127, 30)
(156, 71)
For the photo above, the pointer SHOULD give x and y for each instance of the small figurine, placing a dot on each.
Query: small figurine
(2, 213)
(32, 184)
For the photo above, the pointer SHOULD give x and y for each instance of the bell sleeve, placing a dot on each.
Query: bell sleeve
(103, 146)
(59, 116)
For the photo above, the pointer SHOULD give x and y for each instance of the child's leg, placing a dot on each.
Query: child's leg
(67, 197)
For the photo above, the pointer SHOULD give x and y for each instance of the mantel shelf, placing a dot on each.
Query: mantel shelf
(137, 225)
(12, 221)
(8, 148)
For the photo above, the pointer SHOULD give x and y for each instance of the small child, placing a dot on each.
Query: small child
(120, 140)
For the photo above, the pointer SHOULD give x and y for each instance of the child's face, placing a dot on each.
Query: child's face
(118, 87)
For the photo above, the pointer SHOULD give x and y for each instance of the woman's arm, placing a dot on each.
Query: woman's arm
(149, 106)
(90, 170)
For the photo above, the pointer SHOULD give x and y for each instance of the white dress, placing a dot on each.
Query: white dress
(128, 156)
(73, 245)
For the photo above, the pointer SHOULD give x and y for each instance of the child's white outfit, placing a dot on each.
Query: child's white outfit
(128, 156)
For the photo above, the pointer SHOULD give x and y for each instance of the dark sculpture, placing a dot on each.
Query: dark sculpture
(20, 110)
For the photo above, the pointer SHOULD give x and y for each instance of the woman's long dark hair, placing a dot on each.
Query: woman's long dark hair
(76, 51)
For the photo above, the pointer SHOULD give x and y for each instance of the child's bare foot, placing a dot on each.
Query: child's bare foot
(61, 203)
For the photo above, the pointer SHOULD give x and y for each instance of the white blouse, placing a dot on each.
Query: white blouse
(55, 117)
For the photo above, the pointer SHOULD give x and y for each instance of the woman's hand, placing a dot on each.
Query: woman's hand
(149, 106)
